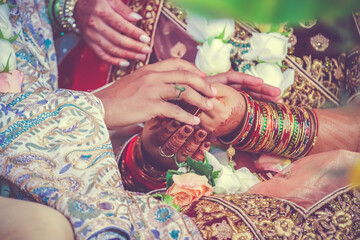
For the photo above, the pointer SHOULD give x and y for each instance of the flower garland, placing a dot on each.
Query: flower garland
(195, 179)
(262, 56)
(10, 78)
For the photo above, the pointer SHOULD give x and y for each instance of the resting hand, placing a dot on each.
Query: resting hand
(106, 27)
(227, 114)
(254, 86)
(143, 95)
(164, 138)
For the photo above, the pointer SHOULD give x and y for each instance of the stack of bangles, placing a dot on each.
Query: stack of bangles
(61, 14)
(276, 129)
(137, 173)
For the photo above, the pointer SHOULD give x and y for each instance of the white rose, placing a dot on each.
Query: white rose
(213, 58)
(202, 29)
(229, 181)
(272, 75)
(6, 51)
(268, 47)
(246, 178)
(5, 25)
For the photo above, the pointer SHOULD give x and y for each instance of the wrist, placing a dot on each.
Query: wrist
(136, 173)
(245, 119)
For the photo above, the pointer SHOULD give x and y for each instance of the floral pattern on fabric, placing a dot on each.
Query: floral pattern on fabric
(55, 148)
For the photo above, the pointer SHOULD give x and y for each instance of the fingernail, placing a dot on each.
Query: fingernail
(146, 50)
(140, 56)
(175, 124)
(203, 75)
(144, 38)
(187, 129)
(209, 103)
(124, 64)
(214, 90)
(201, 134)
(196, 120)
(135, 16)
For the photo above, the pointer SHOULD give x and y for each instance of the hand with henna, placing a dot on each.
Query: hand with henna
(254, 86)
(162, 139)
(227, 113)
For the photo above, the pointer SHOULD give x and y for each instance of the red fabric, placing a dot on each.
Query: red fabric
(82, 70)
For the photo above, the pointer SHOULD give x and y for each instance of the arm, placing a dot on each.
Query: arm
(336, 128)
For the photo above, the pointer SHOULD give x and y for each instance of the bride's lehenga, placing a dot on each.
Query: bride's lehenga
(55, 148)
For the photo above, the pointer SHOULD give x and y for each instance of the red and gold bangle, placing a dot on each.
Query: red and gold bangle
(267, 129)
(247, 122)
(134, 176)
(249, 142)
(314, 132)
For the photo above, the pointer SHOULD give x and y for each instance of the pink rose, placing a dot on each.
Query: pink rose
(189, 187)
(11, 82)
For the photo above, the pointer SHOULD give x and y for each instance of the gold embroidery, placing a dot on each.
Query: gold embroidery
(233, 217)
(319, 42)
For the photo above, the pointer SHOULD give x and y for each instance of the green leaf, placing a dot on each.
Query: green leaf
(11, 40)
(215, 174)
(169, 200)
(222, 34)
(183, 164)
(169, 180)
(7, 67)
(158, 195)
(232, 167)
(201, 168)
(1, 35)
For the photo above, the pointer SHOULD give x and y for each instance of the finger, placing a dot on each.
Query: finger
(207, 122)
(108, 58)
(236, 77)
(190, 79)
(199, 154)
(182, 92)
(115, 51)
(124, 10)
(127, 28)
(173, 111)
(175, 142)
(119, 39)
(264, 89)
(218, 107)
(166, 131)
(191, 145)
(263, 97)
(176, 64)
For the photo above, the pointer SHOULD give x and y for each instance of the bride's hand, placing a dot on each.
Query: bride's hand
(143, 95)
(254, 86)
(227, 114)
(163, 138)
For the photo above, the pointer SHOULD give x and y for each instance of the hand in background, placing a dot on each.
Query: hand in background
(144, 94)
(162, 139)
(107, 28)
(254, 86)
